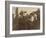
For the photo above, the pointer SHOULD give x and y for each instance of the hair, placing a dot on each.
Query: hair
(24, 11)
(21, 13)
(31, 14)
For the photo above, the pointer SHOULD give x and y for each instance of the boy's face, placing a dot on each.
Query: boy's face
(24, 14)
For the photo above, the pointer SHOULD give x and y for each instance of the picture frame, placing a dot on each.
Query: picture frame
(10, 6)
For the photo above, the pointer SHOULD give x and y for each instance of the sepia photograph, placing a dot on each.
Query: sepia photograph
(25, 18)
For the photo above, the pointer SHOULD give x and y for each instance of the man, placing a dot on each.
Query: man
(21, 22)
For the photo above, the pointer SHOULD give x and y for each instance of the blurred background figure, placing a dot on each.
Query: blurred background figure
(31, 17)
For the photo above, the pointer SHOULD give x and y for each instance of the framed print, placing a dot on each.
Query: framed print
(24, 18)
